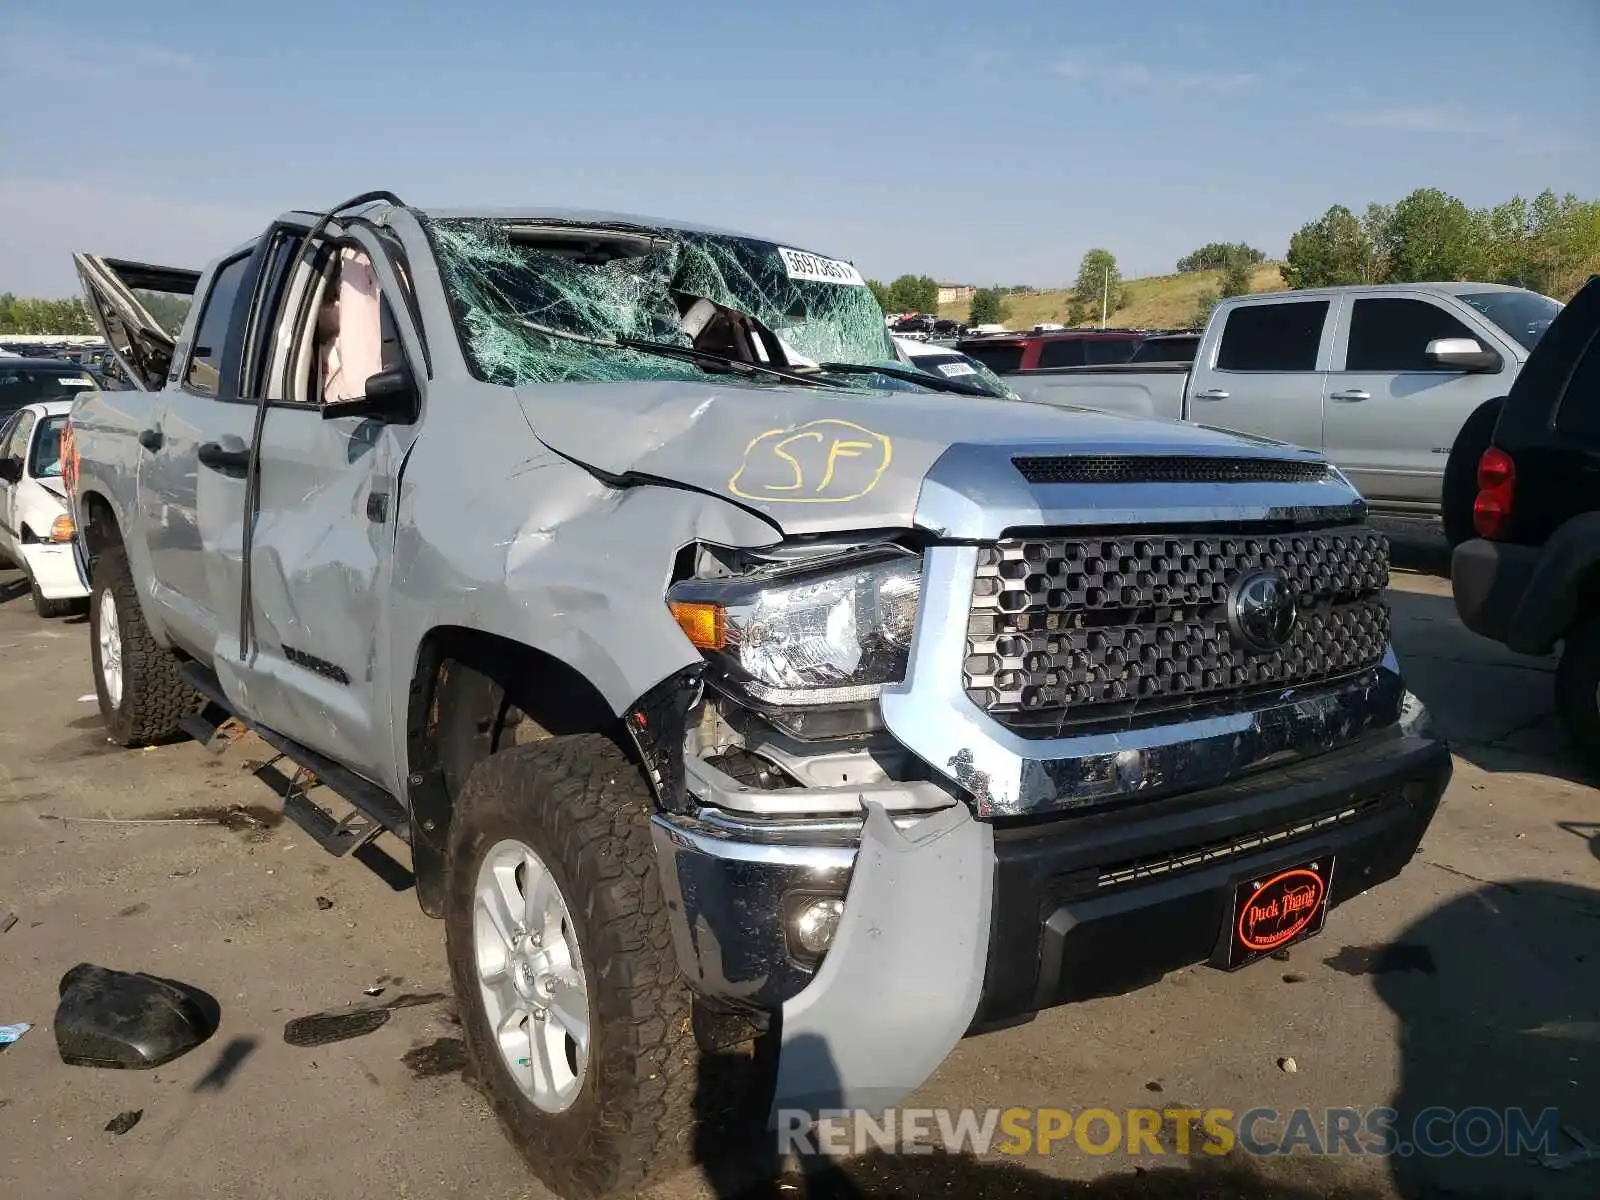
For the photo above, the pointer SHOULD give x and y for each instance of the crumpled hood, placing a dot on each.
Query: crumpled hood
(814, 460)
(53, 485)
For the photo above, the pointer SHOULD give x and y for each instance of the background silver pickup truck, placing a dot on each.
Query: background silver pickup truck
(733, 682)
(1382, 379)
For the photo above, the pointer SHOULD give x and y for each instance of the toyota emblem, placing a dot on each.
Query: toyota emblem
(1261, 610)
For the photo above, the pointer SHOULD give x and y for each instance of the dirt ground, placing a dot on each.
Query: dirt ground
(1474, 979)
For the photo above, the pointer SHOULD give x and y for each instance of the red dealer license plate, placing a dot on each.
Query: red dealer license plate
(1276, 910)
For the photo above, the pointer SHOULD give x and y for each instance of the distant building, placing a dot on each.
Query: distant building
(954, 293)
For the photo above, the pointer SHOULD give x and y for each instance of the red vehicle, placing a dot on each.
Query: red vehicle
(1005, 354)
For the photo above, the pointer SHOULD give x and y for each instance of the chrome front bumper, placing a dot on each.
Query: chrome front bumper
(899, 986)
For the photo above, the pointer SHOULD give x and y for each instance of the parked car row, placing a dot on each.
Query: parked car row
(1390, 381)
(776, 694)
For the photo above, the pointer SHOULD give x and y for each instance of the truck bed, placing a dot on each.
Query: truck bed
(1141, 389)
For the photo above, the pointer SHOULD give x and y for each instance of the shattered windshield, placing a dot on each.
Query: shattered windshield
(546, 302)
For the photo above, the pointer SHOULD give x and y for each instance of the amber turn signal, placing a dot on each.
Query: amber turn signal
(62, 529)
(704, 624)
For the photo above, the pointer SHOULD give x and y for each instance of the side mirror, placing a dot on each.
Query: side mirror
(1462, 354)
(10, 469)
(390, 396)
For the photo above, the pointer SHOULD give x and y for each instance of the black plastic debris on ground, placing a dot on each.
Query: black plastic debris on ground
(127, 1020)
(321, 1028)
(318, 1029)
(124, 1121)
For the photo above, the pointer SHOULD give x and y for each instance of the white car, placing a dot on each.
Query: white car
(35, 528)
(952, 364)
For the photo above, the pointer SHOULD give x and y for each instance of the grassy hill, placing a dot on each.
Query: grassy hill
(1155, 302)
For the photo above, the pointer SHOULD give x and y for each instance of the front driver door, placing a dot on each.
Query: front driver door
(323, 543)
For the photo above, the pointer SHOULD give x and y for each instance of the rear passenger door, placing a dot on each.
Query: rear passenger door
(192, 471)
(1393, 414)
(1265, 372)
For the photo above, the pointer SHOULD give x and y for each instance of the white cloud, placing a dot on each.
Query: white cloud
(1428, 118)
(1129, 76)
(43, 221)
(1219, 83)
(1126, 75)
(29, 50)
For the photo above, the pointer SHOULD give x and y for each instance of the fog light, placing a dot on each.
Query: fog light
(815, 923)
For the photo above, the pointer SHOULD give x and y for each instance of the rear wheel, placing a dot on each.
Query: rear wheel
(1578, 689)
(142, 696)
(561, 955)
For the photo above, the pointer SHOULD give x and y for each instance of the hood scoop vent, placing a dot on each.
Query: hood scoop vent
(1165, 468)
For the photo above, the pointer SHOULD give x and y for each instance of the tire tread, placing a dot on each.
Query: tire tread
(593, 808)
(155, 697)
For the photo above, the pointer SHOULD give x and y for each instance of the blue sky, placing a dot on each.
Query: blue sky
(985, 142)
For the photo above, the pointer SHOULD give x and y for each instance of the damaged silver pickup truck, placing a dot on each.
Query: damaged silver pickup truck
(732, 681)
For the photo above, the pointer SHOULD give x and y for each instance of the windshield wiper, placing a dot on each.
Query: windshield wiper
(690, 354)
(737, 365)
(937, 383)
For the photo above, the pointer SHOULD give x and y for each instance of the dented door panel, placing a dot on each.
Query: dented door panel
(319, 571)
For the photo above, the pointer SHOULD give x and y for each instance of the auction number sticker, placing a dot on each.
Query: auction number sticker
(814, 267)
(951, 370)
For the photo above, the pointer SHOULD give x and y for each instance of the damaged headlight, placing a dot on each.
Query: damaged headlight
(822, 636)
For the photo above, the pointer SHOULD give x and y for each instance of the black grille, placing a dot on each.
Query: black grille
(1166, 468)
(1088, 629)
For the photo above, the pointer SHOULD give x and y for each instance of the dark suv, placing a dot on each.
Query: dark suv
(1531, 578)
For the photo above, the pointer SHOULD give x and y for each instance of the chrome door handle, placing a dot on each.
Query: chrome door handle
(1352, 394)
(1211, 394)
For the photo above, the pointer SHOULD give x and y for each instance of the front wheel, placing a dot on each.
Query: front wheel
(1578, 689)
(143, 698)
(561, 956)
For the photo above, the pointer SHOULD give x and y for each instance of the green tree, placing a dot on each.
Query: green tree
(914, 293)
(988, 307)
(1216, 256)
(1204, 304)
(21, 315)
(1236, 278)
(1434, 236)
(880, 293)
(1332, 250)
(1098, 289)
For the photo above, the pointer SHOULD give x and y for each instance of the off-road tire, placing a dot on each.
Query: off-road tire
(1578, 689)
(1460, 490)
(49, 608)
(584, 808)
(154, 696)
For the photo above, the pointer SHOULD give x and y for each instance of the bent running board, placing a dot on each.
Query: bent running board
(376, 809)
